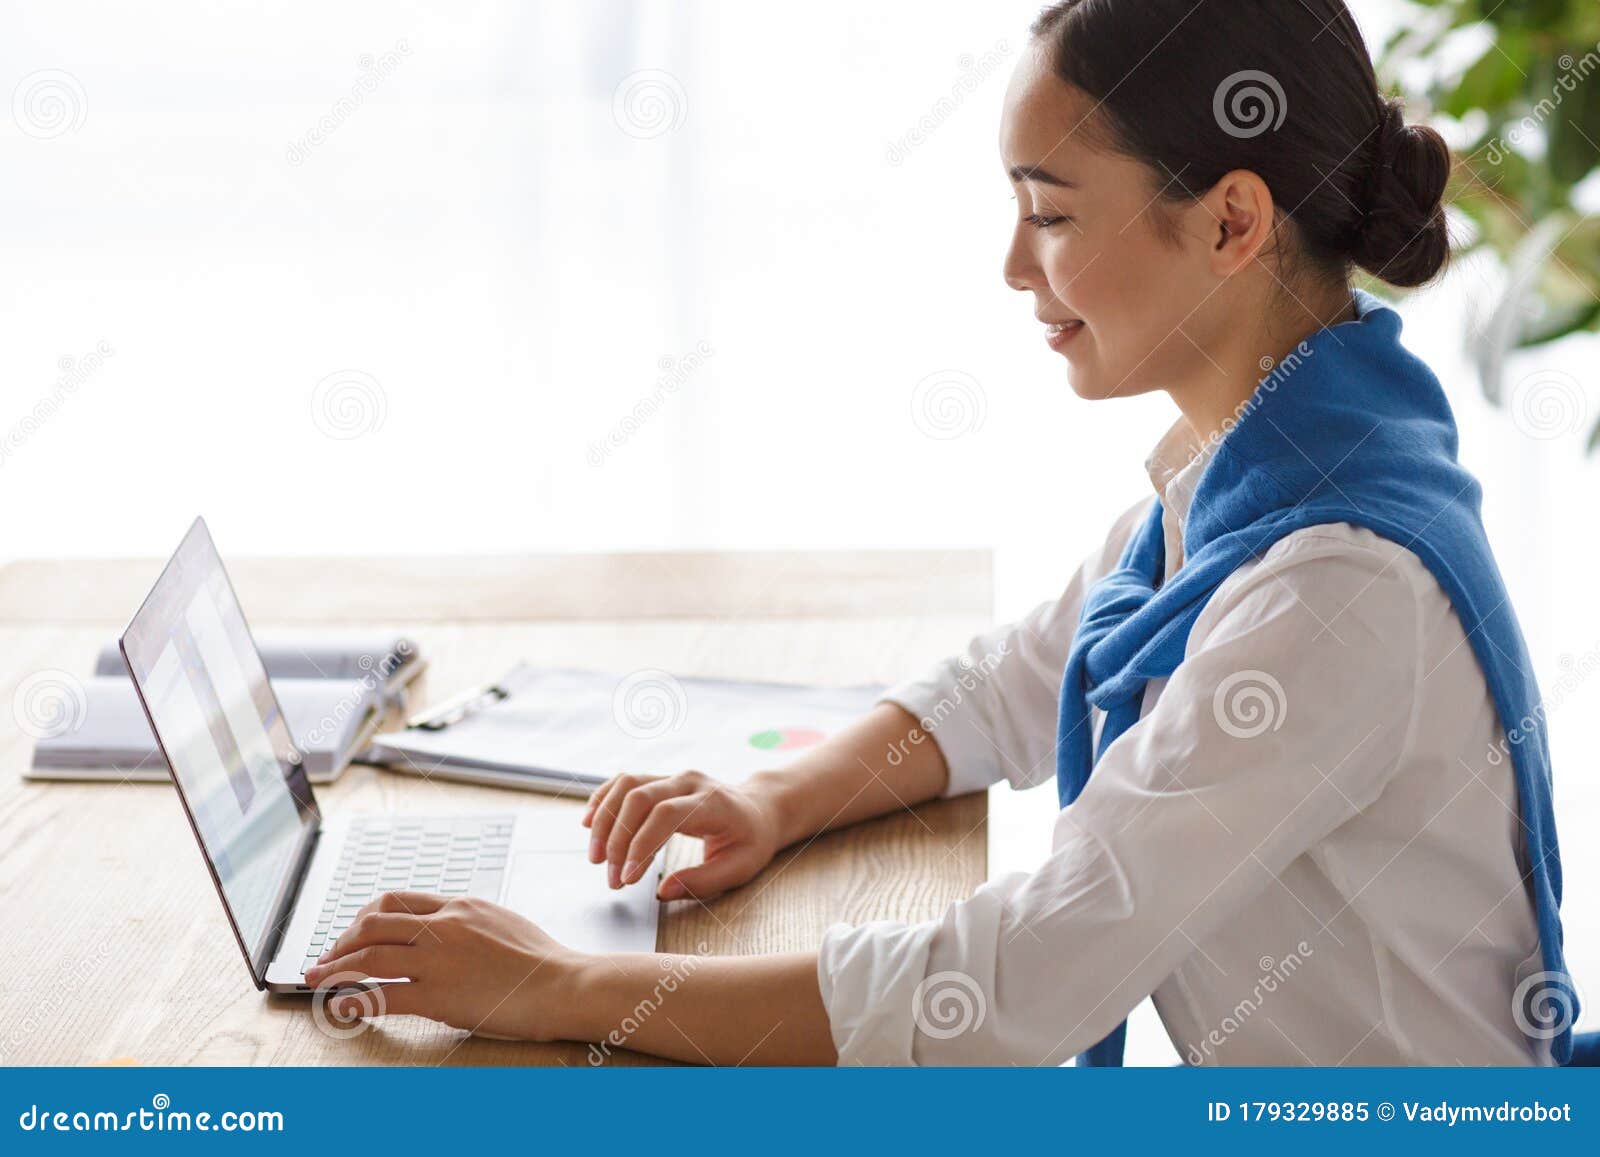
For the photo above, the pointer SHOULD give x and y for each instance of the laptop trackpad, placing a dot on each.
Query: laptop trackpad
(567, 896)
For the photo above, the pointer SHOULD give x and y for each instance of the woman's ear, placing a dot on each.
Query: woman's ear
(1242, 217)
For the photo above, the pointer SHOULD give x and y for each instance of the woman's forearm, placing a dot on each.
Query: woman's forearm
(720, 1010)
(754, 1009)
(882, 763)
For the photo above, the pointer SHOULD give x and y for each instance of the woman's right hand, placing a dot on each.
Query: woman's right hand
(631, 816)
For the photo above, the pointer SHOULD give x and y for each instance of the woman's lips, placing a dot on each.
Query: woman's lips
(1062, 332)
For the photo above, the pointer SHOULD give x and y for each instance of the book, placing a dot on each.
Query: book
(562, 731)
(336, 691)
(391, 661)
(330, 720)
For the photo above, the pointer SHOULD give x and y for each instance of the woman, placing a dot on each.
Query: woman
(1317, 827)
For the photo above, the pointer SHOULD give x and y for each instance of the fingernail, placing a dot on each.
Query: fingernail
(595, 851)
(629, 869)
(671, 890)
(614, 876)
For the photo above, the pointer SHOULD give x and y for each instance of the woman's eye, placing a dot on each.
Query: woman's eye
(1041, 222)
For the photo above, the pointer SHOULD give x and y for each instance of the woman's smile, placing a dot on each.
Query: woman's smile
(1059, 334)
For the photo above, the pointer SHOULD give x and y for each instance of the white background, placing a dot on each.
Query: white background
(502, 256)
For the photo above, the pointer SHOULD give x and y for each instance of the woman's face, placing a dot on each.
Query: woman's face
(1126, 305)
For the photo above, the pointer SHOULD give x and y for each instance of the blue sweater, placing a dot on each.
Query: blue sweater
(1351, 427)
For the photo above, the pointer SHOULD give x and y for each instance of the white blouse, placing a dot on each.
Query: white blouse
(1307, 849)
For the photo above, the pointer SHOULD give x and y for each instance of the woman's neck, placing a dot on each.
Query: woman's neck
(1244, 356)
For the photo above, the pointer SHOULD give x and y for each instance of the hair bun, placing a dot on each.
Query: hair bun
(1401, 237)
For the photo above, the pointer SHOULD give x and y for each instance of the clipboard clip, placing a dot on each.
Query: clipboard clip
(457, 708)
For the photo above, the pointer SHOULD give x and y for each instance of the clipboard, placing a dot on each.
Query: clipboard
(567, 731)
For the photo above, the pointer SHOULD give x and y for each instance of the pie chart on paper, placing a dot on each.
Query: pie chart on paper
(786, 738)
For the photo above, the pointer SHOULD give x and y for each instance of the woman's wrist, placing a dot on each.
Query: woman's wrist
(774, 792)
(560, 999)
(575, 995)
(723, 1010)
(604, 999)
(879, 764)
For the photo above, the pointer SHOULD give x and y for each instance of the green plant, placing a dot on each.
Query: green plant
(1520, 79)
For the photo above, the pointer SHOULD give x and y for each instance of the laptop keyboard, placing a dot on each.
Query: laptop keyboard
(459, 856)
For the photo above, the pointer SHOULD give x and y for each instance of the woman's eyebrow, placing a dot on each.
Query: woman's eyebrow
(1019, 173)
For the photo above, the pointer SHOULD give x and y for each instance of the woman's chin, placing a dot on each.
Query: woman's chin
(1087, 384)
(1094, 382)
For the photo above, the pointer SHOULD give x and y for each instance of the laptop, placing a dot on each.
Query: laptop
(290, 879)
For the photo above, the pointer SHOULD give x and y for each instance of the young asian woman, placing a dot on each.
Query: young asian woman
(1298, 753)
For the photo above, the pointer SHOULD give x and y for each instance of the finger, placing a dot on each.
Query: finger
(668, 816)
(705, 881)
(605, 815)
(595, 797)
(377, 928)
(598, 796)
(631, 816)
(414, 903)
(382, 961)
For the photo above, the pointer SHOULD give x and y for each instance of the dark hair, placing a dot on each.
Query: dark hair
(1284, 88)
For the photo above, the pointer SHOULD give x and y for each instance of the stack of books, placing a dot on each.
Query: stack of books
(336, 693)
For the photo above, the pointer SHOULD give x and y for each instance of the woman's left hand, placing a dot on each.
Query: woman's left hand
(464, 961)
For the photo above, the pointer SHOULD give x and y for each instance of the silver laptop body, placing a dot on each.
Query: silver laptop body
(291, 880)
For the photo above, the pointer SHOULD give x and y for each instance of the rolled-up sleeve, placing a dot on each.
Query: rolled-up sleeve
(1289, 715)
(992, 707)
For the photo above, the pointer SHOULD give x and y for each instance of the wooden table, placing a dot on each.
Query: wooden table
(113, 945)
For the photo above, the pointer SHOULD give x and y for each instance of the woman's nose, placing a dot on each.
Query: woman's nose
(1020, 271)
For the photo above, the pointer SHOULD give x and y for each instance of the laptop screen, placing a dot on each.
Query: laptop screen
(219, 725)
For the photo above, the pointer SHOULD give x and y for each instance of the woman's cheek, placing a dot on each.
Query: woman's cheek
(1071, 279)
